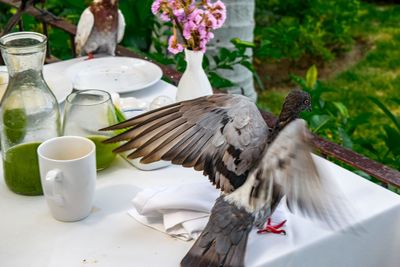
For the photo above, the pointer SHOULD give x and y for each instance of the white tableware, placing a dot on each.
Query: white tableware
(118, 74)
(58, 82)
(194, 82)
(68, 174)
(127, 104)
(160, 101)
(157, 102)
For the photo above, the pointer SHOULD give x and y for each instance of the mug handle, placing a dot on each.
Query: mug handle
(52, 186)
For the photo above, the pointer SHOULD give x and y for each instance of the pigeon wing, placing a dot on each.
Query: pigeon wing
(84, 28)
(121, 26)
(222, 135)
(287, 168)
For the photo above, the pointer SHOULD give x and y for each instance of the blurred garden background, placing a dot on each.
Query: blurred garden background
(346, 53)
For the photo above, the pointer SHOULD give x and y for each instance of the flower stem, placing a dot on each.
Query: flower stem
(179, 26)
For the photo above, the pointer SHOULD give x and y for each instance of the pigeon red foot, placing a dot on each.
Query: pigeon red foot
(274, 229)
(90, 56)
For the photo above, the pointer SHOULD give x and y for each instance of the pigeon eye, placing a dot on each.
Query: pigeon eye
(306, 102)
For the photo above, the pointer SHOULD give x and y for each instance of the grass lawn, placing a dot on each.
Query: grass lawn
(377, 74)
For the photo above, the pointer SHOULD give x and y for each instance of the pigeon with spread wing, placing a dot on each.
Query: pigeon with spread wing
(253, 165)
(100, 28)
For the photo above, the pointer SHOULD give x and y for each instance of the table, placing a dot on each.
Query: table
(29, 236)
(147, 94)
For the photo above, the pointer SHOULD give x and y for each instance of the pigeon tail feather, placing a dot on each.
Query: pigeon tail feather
(223, 242)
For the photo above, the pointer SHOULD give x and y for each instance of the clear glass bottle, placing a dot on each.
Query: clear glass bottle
(29, 112)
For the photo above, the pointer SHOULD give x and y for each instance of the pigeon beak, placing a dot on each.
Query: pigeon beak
(309, 108)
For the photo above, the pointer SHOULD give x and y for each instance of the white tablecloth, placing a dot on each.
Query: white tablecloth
(29, 236)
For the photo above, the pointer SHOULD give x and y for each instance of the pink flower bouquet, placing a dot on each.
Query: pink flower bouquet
(194, 20)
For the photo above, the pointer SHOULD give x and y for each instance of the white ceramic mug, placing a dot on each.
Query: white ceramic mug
(68, 174)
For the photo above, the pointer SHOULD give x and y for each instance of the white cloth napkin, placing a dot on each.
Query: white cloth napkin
(181, 211)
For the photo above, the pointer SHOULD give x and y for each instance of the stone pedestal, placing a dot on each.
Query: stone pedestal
(239, 23)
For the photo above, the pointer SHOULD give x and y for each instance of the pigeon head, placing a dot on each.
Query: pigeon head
(295, 102)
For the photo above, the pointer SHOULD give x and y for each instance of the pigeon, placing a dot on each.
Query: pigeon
(254, 166)
(100, 27)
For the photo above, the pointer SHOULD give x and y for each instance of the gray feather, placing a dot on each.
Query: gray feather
(223, 241)
(200, 133)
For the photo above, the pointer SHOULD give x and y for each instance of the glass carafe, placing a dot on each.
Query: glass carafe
(29, 112)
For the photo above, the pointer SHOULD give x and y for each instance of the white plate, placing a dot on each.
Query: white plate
(58, 82)
(118, 74)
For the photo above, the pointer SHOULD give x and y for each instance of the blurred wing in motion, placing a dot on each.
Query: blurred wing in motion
(121, 26)
(84, 28)
(287, 168)
(223, 135)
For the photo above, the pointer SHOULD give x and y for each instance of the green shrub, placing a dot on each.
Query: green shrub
(329, 119)
(332, 120)
(389, 133)
(295, 28)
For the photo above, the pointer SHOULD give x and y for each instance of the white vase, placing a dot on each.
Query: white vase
(194, 82)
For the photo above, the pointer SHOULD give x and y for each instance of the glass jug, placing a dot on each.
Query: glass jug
(29, 112)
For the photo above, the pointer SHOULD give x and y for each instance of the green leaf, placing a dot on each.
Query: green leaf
(216, 59)
(392, 140)
(342, 109)
(319, 89)
(248, 65)
(367, 144)
(258, 81)
(319, 121)
(119, 114)
(241, 43)
(224, 53)
(346, 140)
(321, 103)
(206, 63)
(115, 115)
(233, 55)
(357, 121)
(218, 81)
(225, 67)
(396, 100)
(311, 76)
(388, 113)
(299, 81)
(180, 62)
